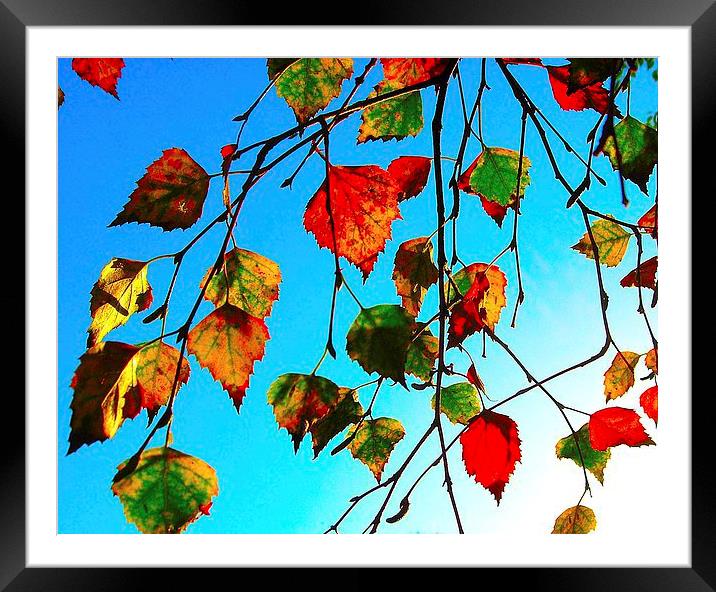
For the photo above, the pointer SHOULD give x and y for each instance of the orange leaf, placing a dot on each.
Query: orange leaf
(228, 342)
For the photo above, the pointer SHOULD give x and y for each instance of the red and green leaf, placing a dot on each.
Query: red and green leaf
(493, 176)
(595, 461)
(347, 411)
(594, 96)
(404, 72)
(393, 119)
(170, 195)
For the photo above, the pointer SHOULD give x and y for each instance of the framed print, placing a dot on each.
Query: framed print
(291, 286)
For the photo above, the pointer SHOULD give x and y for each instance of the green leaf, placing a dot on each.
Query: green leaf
(348, 411)
(575, 520)
(459, 402)
(379, 339)
(309, 84)
(638, 147)
(595, 461)
(395, 118)
(300, 400)
(167, 491)
(422, 353)
(252, 279)
(493, 175)
(611, 239)
(374, 441)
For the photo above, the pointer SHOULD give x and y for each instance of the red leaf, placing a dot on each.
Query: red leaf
(364, 203)
(102, 72)
(410, 71)
(475, 379)
(204, 508)
(468, 315)
(490, 450)
(614, 426)
(646, 278)
(226, 153)
(594, 96)
(649, 402)
(524, 61)
(649, 221)
(410, 174)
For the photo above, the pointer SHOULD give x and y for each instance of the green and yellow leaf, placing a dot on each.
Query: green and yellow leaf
(414, 272)
(611, 239)
(575, 520)
(422, 353)
(348, 411)
(395, 118)
(167, 491)
(459, 402)
(374, 441)
(638, 149)
(309, 84)
(493, 175)
(619, 378)
(252, 281)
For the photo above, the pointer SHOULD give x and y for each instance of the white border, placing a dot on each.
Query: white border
(44, 45)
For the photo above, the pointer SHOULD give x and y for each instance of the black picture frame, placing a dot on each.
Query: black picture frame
(17, 15)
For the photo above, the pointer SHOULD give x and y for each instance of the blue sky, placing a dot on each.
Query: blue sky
(105, 145)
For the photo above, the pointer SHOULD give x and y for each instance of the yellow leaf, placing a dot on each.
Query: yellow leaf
(619, 378)
(575, 520)
(611, 239)
(651, 360)
(121, 290)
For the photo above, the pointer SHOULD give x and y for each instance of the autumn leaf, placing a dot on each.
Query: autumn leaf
(276, 66)
(347, 411)
(410, 174)
(374, 441)
(252, 279)
(493, 176)
(490, 451)
(60, 97)
(170, 195)
(228, 342)
(649, 401)
(614, 426)
(414, 272)
(309, 84)
(404, 72)
(394, 119)
(483, 290)
(638, 148)
(651, 360)
(167, 491)
(422, 353)
(459, 402)
(594, 96)
(595, 461)
(227, 155)
(379, 339)
(611, 239)
(154, 367)
(121, 290)
(496, 211)
(588, 72)
(102, 72)
(300, 400)
(649, 221)
(475, 379)
(364, 203)
(114, 381)
(619, 378)
(644, 275)
(575, 520)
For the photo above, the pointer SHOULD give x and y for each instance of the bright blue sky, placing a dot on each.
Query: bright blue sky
(105, 145)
